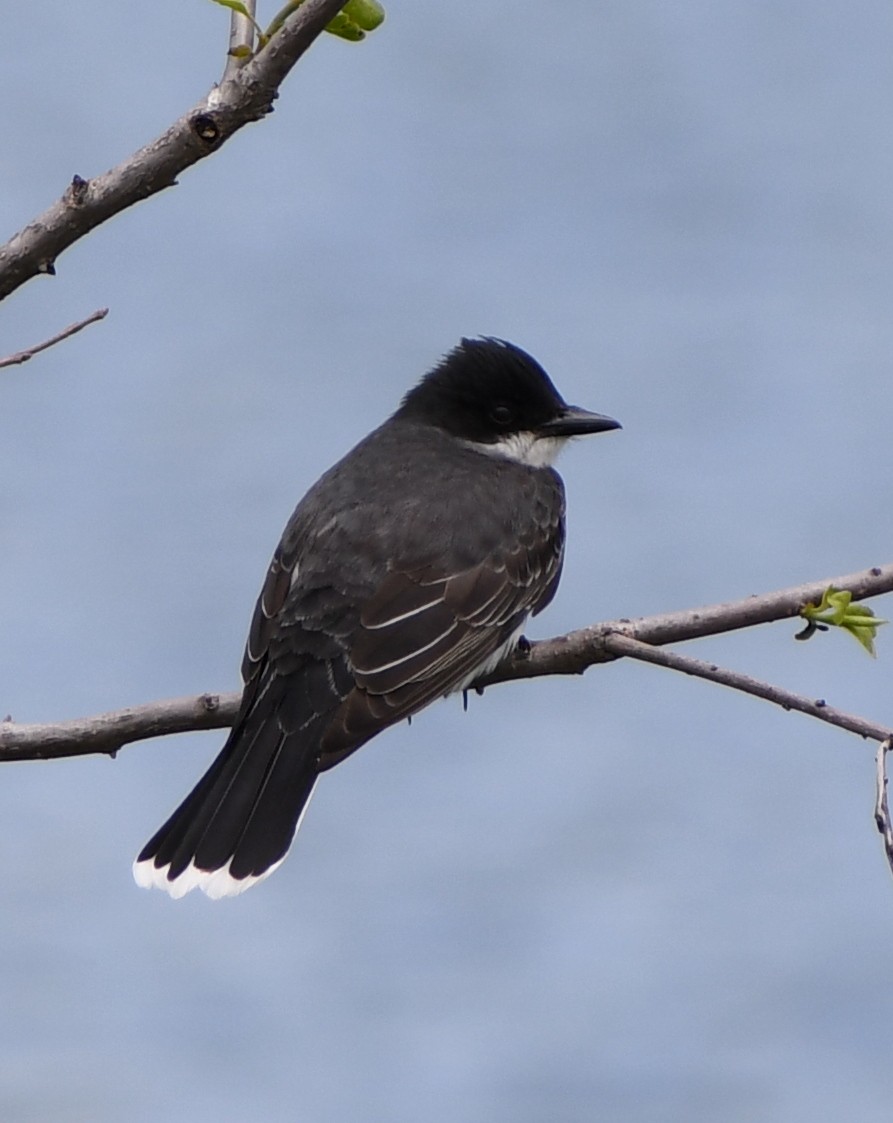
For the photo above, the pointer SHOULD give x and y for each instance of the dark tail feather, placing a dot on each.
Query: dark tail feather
(237, 824)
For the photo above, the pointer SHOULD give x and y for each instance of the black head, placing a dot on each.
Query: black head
(488, 391)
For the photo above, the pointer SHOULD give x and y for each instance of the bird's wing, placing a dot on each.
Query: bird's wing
(329, 663)
(424, 634)
(272, 597)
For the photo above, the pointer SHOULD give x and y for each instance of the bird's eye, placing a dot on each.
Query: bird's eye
(501, 415)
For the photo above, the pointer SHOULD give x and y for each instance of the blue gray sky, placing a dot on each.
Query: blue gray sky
(630, 896)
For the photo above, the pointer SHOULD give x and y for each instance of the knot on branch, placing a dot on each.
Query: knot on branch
(206, 128)
(76, 192)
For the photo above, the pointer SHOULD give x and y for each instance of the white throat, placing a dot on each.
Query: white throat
(524, 448)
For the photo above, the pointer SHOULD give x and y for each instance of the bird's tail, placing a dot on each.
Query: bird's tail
(236, 825)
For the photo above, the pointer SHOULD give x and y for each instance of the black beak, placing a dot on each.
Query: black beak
(577, 422)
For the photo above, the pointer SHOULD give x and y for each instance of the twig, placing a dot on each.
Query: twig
(241, 40)
(635, 649)
(106, 733)
(881, 810)
(570, 654)
(245, 96)
(72, 329)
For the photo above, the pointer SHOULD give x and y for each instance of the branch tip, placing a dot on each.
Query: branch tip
(881, 808)
(72, 329)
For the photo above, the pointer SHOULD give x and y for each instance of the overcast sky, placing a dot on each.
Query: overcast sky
(631, 896)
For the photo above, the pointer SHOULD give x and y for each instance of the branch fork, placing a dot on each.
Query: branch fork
(643, 638)
(245, 94)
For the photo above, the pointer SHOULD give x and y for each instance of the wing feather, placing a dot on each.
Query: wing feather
(272, 597)
(368, 657)
(403, 661)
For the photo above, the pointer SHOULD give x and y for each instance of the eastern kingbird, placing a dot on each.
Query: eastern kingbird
(406, 573)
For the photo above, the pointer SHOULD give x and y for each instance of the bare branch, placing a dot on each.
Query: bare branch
(570, 654)
(881, 808)
(106, 733)
(72, 329)
(635, 649)
(246, 95)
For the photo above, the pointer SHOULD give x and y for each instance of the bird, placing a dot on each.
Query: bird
(405, 574)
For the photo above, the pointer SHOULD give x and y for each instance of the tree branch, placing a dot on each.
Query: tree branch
(574, 653)
(243, 96)
(106, 733)
(635, 649)
(570, 654)
(72, 329)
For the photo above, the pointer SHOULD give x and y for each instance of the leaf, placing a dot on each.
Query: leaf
(366, 14)
(345, 28)
(837, 610)
(352, 22)
(234, 6)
